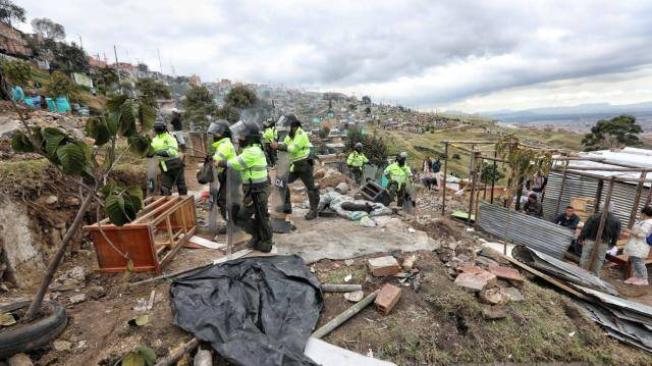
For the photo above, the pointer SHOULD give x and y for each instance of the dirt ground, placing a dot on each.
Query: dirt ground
(435, 322)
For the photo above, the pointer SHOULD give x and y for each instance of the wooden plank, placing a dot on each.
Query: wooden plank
(163, 207)
(169, 211)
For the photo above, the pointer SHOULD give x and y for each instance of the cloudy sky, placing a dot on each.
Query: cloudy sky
(458, 54)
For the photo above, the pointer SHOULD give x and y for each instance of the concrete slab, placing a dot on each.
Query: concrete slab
(338, 239)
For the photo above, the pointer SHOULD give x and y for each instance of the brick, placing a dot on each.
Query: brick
(475, 281)
(387, 298)
(506, 273)
(384, 266)
(470, 269)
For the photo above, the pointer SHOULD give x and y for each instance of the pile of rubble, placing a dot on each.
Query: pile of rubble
(74, 125)
(487, 274)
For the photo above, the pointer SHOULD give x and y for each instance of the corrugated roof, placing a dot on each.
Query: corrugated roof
(640, 158)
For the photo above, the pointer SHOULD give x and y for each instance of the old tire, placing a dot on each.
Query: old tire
(29, 336)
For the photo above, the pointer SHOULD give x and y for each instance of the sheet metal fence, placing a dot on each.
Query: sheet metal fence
(579, 186)
(518, 228)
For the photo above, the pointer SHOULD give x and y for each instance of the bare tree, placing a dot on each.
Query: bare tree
(48, 29)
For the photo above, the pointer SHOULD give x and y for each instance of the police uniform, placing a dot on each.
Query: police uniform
(301, 166)
(355, 161)
(398, 177)
(252, 215)
(171, 165)
(224, 151)
(269, 136)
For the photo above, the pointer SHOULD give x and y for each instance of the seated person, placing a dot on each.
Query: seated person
(568, 219)
(532, 207)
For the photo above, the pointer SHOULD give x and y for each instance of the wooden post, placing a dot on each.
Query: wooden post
(443, 189)
(561, 190)
(176, 354)
(637, 198)
(493, 178)
(472, 181)
(649, 196)
(346, 315)
(482, 181)
(598, 196)
(603, 220)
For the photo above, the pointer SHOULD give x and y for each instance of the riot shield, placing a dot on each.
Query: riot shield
(152, 176)
(369, 172)
(213, 206)
(410, 198)
(279, 177)
(234, 196)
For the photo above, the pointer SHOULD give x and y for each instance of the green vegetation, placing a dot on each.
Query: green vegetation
(150, 90)
(241, 97)
(418, 146)
(60, 84)
(17, 72)
(11, 12)
(46, 28)
(198, 105)
(617, 132)
(105, 79)
(373, 146)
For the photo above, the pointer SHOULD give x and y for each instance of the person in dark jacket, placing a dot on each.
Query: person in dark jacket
(588, 237)
(568, 219)
(177, 128)
(532, 207)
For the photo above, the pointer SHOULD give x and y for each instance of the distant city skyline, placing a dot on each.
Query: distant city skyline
(464, 55)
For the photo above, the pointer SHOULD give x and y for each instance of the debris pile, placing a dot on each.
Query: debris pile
(494, 282)
(10, 123)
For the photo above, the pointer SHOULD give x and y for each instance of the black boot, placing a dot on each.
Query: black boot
(311, 215)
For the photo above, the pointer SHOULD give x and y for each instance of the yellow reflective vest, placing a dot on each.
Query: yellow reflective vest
(356, 160)
(398, 174)
(165, 142)
(252, 164)
(270, 135)
(299, 146)
(224, 151)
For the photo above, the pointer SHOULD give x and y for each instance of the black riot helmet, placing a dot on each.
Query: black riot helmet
(247, 133)
(219, 129)
(293, 122)
(159, 127)
(358, 146)
(401, 158)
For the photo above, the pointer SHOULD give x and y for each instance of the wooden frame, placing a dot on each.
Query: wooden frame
(149, 242)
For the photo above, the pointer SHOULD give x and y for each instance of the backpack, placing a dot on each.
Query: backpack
(205, 174)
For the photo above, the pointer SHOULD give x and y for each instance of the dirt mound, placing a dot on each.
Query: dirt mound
(331, 178)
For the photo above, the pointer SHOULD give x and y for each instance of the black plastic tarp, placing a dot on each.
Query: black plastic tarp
(254, 311)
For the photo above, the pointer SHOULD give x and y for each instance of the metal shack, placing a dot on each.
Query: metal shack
(584, 188)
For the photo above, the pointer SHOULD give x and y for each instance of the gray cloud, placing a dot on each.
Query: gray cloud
(419, 52)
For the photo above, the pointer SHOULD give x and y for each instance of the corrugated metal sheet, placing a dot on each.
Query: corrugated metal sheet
(516, 227)
(577, 186)
(558, 268)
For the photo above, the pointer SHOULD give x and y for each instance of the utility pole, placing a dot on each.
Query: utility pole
(81, 43)
(115, 52)
(160, 64)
